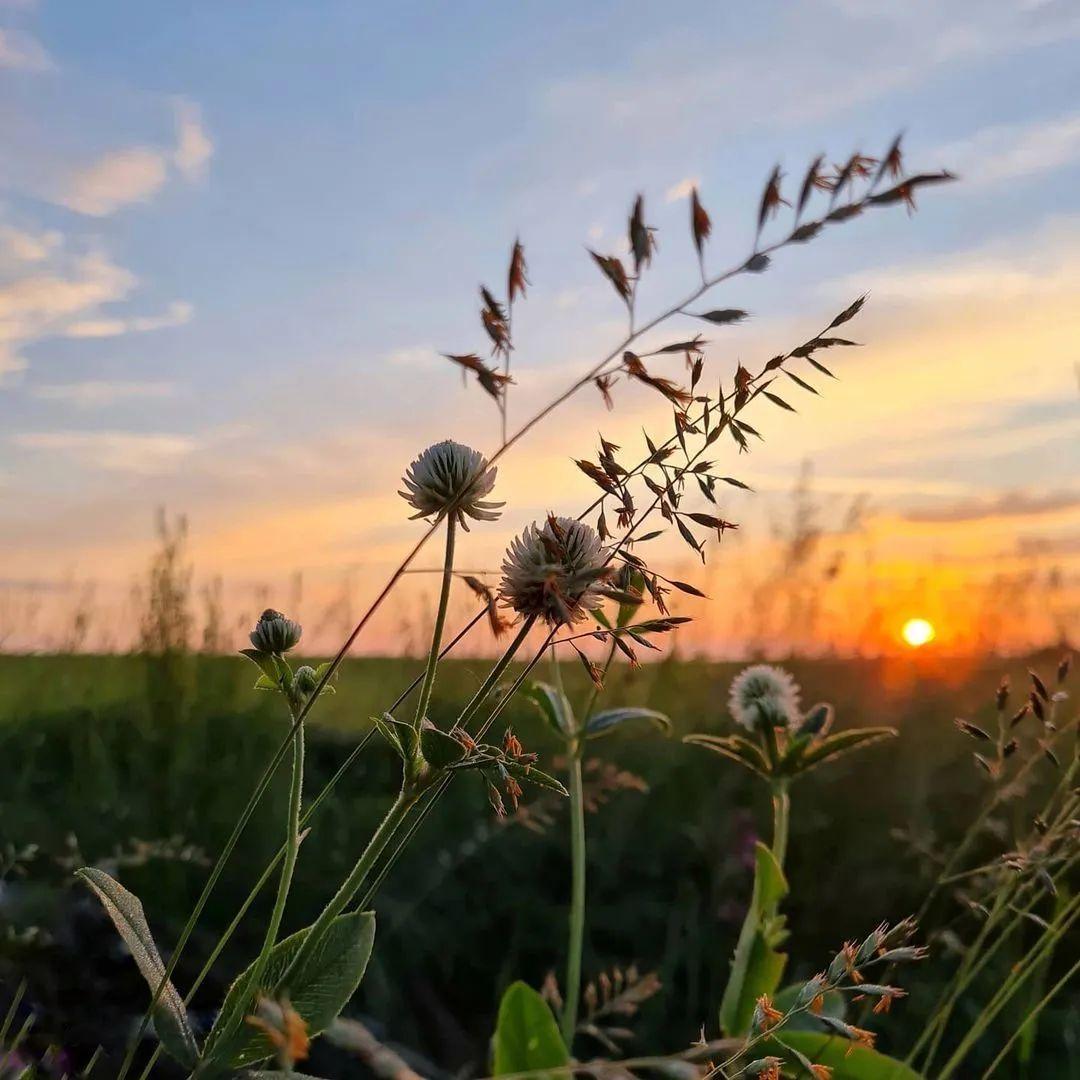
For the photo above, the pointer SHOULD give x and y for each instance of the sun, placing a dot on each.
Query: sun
(918, 632)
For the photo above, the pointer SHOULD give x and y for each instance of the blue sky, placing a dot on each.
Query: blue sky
(234, 238)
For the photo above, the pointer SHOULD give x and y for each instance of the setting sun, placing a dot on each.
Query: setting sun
(918, 632)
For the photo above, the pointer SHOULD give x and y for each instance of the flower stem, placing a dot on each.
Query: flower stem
(781, 803)
(440, 623)
(576, 939)
(351, 885)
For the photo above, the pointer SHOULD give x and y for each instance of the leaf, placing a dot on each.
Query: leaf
(756, 967)
(532, 775)
(526, 1035)
(439, 748)
(610, 720)
(723, 316)
(554, 706)
(734, 747)
(265, 663)
(847, 1062)
(318, 992)
(387, 731)
(833, 746)
(126, 911)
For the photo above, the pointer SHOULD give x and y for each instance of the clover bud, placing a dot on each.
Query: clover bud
(451, 478)
(274, 633)
(305, 680)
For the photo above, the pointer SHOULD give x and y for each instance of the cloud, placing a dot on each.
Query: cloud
(1006, 504)
(194, 147)
(682, 189)
(21, 246)
(97, 393)
(116, 451)
(116, 179)
(178, 313)
(135, 174)
(48, 290)
(21, 52)
(1005, 152)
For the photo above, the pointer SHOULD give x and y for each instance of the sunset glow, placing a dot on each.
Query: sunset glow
(918, 632)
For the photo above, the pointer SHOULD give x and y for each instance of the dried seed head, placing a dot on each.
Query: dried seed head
(555, 572)
(274, 633)
(450, 477)
(762, 696)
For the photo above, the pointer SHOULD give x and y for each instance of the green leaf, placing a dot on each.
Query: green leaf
(610, 720)
(126, 911)
(757, 966)
(265, 662)
(262, 1074)
(834, 746)
(318, 992)
(847, 1062)
(735, 747)
(390, 735)
(526, 1036)
(438, 748)
(264, 682)
(554, 706)
(532, 775)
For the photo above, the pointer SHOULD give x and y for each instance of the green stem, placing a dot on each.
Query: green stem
(292, 848)
(781, 802)
(1046, 999)
(576, 939)
(440, 622)
(495, 674)
(351, 885)
(1019, 974)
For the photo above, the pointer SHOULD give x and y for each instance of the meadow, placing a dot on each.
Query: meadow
(139, 765)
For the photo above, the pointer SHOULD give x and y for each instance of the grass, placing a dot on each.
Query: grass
(130, 748)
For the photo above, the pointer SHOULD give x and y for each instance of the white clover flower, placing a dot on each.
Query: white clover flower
(556, 572)
(764, 695)
(450, 475)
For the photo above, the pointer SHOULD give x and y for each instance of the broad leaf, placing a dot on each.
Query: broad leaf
(757, 967)
(438, 748)
(736, 748)
(847, 1062)
(387, 731)
(554, 707)
(266, 664)
(612, 720)
(526, 1036)
(834, 746)
(126, 911)
(318, 992)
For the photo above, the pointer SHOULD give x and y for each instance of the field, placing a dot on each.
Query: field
(141, 766)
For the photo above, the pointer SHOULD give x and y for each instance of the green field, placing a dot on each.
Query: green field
(102, 753)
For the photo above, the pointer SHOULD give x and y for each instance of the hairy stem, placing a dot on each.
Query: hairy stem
(352, 883)
(781, 803)
(576, 939)
(440, 622)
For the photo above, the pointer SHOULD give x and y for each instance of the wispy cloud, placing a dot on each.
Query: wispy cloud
(178, 313)
(98, 393)
(682, 189)
(1006, 504)
(135, 174)
(118, 451)
(20, 51)
(1005, 152)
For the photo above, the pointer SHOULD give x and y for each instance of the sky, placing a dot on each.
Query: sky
(236, 238)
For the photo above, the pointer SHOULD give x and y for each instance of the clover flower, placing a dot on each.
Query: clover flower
(451, 477)
(555, 572)
(764, 695)
(274, 633)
